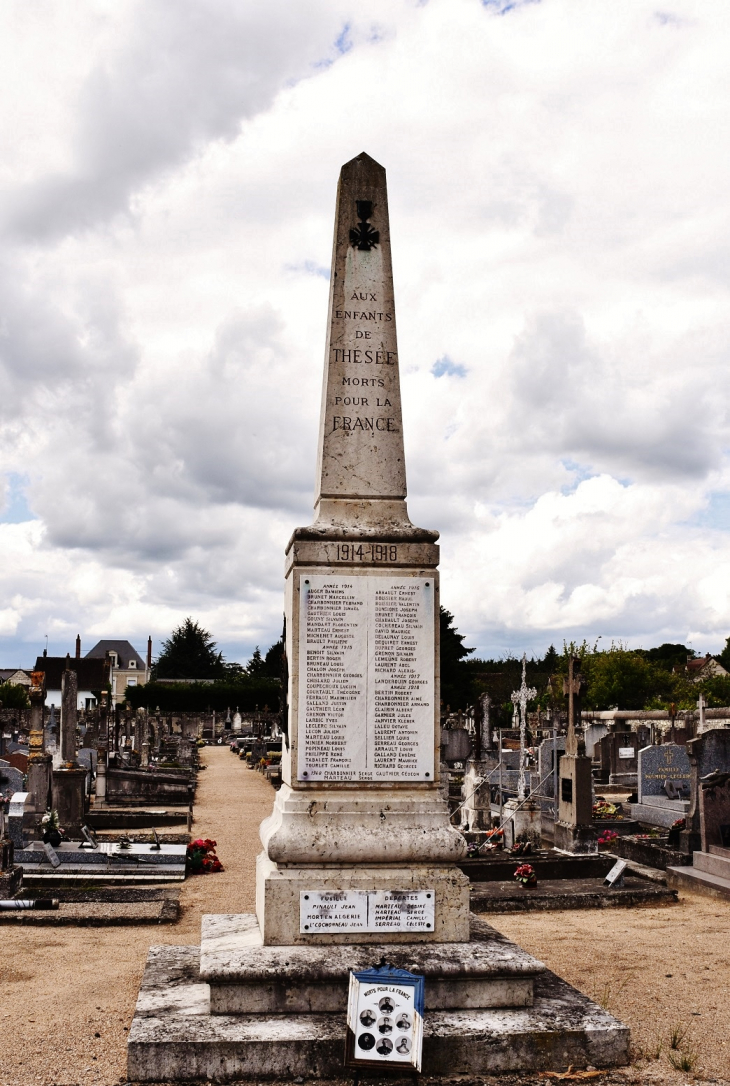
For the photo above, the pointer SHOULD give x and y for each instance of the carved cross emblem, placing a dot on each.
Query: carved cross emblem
(363, 235)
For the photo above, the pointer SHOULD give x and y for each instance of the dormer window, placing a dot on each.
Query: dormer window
(132, 663)
(113, 658)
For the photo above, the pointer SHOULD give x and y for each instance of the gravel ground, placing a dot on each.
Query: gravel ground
(67, 995)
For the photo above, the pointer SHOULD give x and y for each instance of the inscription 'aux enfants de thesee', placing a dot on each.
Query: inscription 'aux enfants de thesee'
(366, 689)
(362, 316)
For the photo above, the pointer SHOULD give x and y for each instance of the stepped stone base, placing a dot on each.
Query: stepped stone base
(709, 875)
(175, 1035)
(247, 977)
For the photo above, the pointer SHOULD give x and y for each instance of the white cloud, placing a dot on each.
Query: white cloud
(558, 209)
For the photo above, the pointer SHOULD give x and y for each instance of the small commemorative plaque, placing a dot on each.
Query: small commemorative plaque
(626, 752)
(615, 877)
(346, 910)
(51, 854)
(385, 1018)
(366, 910)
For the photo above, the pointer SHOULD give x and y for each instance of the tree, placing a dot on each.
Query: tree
(13, 696)
(456, 683)
(189, 653)
(724, 657)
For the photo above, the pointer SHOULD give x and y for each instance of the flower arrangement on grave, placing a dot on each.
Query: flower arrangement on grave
(52, 832)
(603, 809)
(521, 848)
(607, 837)
(472, 849)
(201, 858)
(494, 839)
(525, 874)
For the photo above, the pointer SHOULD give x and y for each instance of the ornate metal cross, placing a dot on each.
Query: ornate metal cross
(521, 697)
(363, 236)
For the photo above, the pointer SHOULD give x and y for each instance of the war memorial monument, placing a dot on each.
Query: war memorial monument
(360, 861)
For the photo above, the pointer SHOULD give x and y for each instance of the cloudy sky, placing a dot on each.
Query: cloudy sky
(558, 179)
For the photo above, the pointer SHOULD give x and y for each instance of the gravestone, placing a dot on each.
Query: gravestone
(594, 732)
(11, 779)
(573, 831)
(548, 753)
(708, 753)
(663, 770)
(715, 811)
(619, 758)
(663, 785)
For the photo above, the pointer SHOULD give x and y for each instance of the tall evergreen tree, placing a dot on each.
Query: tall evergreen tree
(189, 653)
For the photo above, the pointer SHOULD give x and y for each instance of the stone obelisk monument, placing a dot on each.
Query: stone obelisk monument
(360, 811)
(360, 861)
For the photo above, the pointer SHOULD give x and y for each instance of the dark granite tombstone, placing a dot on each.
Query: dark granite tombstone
(619, 763)
(664, 769)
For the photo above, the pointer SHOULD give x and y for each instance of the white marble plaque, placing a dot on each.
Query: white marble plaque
(366, 910)
(346, 910)
(366, 678)
(626, 752)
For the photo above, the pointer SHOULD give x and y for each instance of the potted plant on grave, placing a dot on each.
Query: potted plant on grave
(606, 838)
(201, 857)
(525, 875)
(52, 832)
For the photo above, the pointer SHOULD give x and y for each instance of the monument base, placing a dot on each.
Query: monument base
(576, 839)
(278, 892)
(238, 1010)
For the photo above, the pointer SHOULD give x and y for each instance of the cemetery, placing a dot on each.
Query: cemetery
(371, 925)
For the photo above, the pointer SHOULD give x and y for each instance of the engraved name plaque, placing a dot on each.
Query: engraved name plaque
(366, 680)
(366, 910)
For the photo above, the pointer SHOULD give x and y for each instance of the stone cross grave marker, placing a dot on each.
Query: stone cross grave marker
(520, 698)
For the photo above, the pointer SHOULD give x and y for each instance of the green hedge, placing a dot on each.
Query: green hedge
(246, 695)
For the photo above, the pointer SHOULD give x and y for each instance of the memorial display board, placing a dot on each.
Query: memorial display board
(385, 1018)
(366, 910)
(366, 678)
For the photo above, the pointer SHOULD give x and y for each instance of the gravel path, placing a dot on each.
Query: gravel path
(67, 995)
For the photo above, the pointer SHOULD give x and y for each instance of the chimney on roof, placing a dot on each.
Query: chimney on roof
(149, 652)
(78, 646)
(45, 652)
(68, 661)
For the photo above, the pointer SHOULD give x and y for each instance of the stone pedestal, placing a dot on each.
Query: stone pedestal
(69, 799)
(236, 1009)
(573, 831)
(578, 839)
(521, 819)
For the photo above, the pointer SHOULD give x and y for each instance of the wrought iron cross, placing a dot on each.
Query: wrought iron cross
(363, 236)
(521, 697)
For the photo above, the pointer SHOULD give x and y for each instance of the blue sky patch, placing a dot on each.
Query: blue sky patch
(16, 511)
(309, 267)
(446, 368)
(716, 514)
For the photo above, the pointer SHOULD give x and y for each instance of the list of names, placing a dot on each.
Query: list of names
(366, 678)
